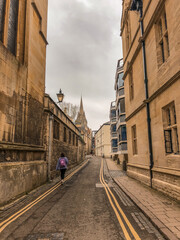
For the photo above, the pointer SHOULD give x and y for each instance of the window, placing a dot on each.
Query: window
(121, 106)
(122, 118)
(69, 137)
(134, 140)
(64, 134)
(114, 143)
(2, 15)
(121, 92)
(113, 113)
(73, 139)
(113, 128)
(123, 133)
(127, 32)
(131, 86)
(12, 23)
(170, 129)
(120, 80)
(12, 26)
(77, 141)
(162, 38)
(56, 130)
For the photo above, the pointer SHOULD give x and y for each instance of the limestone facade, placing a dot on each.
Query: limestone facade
(161, 20)
(23, 26)
(103, 141)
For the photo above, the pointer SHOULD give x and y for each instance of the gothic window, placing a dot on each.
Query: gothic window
(65, 135)
(77, 141)
(170, 129)
(12, 25)
(162, 38)
(56, 130)
(69, 137)
(73, 139)
(128, 35)
(2, 15)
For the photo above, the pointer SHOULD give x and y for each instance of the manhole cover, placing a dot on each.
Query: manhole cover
(45, 236)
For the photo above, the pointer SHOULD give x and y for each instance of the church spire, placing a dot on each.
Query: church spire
(81, 106)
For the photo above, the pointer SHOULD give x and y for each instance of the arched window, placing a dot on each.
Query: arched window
(12, 26)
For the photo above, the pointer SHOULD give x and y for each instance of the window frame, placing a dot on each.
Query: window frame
(65, 135)
(170, 126)
(134, 140)
(56, 126)
(162, 38)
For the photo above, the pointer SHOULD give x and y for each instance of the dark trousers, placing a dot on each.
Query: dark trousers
(62, 173)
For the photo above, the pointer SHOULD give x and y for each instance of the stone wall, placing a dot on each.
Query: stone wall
(54, 137)
(19, 178)
(22, 87)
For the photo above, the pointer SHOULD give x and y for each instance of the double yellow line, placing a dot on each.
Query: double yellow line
(16, 215)
(117, 209)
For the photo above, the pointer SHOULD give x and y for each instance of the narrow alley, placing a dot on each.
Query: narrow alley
(89, 205)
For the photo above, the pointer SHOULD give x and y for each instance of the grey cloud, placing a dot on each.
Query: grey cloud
(83, 52)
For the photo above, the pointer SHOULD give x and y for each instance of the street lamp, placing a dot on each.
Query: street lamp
(60, 96)
(137, 5)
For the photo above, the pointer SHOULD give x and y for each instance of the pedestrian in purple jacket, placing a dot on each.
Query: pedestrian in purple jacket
(62, 165)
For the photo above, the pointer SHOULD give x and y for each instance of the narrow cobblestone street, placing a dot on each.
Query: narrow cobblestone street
(80, 209)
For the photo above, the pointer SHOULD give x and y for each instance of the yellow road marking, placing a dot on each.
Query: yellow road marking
(121, 211)
(12, 218)
(114, 208)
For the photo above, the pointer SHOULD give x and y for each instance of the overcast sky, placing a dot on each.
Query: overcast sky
(84, 46)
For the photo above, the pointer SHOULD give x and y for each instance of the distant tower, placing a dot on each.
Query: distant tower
(81, 121)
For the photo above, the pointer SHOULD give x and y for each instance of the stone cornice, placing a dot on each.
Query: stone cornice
(21, 147)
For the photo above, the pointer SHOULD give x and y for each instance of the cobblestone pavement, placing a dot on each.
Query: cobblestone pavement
(163, 212)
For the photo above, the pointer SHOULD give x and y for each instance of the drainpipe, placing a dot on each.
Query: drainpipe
(51, 118)
(138, 5)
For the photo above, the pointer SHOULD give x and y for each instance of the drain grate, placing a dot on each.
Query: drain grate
(45, 236)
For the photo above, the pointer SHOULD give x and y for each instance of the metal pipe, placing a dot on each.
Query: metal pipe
(146, 93)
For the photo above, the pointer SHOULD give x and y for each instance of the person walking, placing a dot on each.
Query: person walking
(62, 166)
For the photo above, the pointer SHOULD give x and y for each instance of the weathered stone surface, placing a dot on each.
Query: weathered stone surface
(19, 178)
(163, 73)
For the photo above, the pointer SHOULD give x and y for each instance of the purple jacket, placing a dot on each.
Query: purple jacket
(58, 167)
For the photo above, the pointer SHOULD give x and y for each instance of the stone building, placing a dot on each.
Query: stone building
(113, 131)
(120, 117)
(23, 30)
(60, 135)
(86, 133)
(153, 96)
(102, 141)
(34, 131)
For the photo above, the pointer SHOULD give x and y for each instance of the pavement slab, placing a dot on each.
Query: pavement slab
(163, 212)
